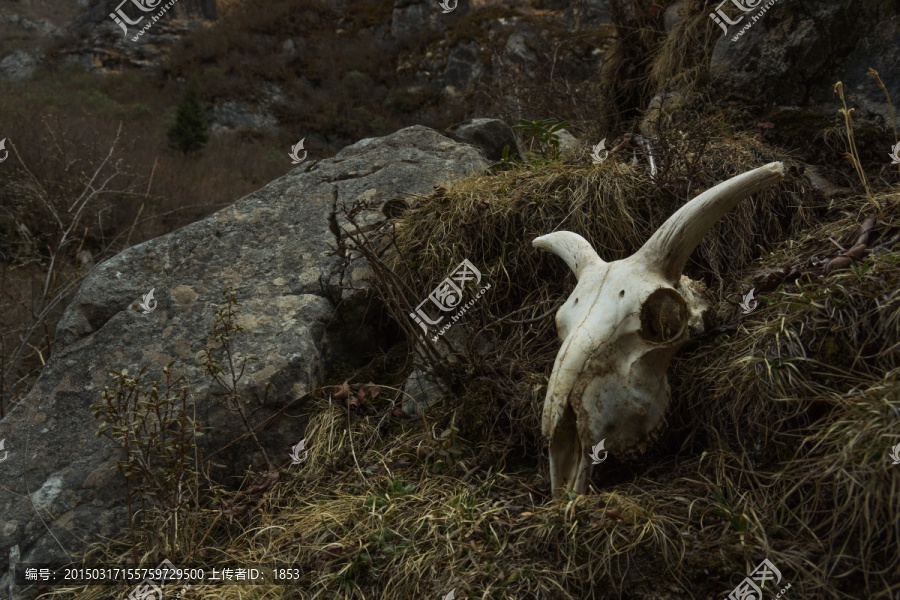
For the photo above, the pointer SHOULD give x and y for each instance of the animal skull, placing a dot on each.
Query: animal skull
(620, 328)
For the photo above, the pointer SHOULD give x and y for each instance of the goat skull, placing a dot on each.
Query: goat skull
(620, 328)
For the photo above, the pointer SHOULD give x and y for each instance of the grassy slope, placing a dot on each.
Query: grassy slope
(778, 432)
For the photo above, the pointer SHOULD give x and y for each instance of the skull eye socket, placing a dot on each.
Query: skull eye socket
(663, 316)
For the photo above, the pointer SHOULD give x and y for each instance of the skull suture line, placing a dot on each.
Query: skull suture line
(620, 328)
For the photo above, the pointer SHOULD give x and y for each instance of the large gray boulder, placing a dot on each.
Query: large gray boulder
(795, 52)
(60, 484)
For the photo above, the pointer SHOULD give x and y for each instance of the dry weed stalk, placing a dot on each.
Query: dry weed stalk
(853, 155)
(65, 237)
(395, 290)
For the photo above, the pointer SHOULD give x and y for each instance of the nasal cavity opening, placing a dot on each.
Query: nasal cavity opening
(566, 447)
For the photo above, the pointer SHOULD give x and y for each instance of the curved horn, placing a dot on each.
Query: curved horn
(572, 248)
(669, 248)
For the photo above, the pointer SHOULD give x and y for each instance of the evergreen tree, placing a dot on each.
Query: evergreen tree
(190, 132)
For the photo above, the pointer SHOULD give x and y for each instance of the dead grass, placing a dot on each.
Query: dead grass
(778, 431)
(681, 63)
(807, 390)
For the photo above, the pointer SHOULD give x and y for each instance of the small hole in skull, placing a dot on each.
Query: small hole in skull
(622, 293)
(576, 300)
(663, 316)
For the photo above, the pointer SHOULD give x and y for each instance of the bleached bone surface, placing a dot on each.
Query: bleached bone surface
(620, 328)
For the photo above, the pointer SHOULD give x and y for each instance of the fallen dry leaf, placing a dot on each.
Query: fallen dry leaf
(341, 392)
(614, 513)
(348, 396)
(399, 412)
(353, 395)
(372, 390)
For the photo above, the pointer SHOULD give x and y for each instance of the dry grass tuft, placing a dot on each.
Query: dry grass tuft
(681, 62)
(806, 392)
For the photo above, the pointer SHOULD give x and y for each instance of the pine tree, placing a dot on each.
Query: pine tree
(190, 132)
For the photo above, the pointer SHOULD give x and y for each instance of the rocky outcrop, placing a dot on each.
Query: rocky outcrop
(232, 115)
(99, 44)
(60, 484)
(412, 19)
(17, 65)
(484, 49)
(41, 26)
(201, 9)
(795, 51)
